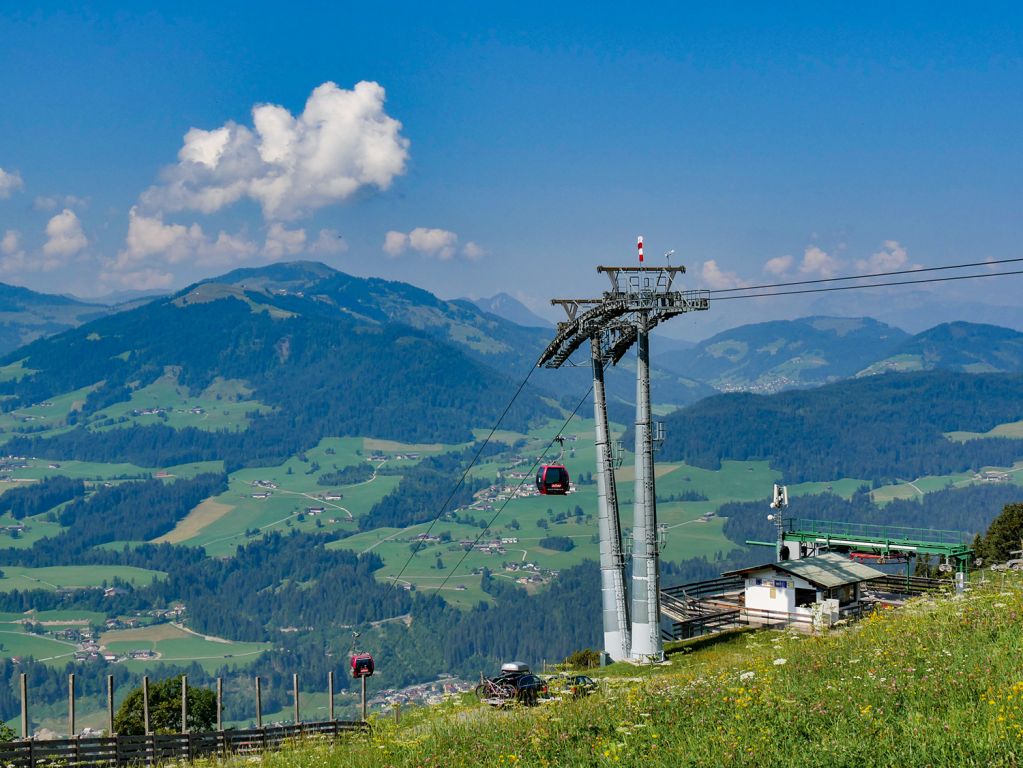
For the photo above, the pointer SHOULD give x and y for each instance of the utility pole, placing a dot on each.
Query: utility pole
(640, 298)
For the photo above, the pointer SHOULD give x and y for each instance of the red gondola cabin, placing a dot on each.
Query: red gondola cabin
(552, 480)
(362, 665)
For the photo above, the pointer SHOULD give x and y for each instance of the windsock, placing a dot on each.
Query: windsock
(639, 247)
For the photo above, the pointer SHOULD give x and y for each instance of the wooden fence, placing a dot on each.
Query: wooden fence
(124, 750)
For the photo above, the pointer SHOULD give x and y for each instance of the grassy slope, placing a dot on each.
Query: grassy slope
(938, 683)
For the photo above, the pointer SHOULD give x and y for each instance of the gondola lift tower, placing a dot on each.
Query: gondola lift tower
(639, 299)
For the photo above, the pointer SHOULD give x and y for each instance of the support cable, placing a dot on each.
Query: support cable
(461, 480)
(497, 514)
(863, 277)
(871, 285)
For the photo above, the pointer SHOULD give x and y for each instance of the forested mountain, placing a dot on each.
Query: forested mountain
(26, 315)
(503, 305)
(768, 357)
(877, 428)
(321, 371)
(961, 346)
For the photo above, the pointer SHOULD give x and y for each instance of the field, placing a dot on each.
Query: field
(1011, 429)
(173, 644)
(72, 576)
(936, 683)
(224, 405)
(221, 524)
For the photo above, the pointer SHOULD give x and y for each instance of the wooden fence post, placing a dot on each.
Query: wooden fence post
(184, 704)
(294, 689)
(330, 695)
(259, 704)
(363, 679)
(25, 730)
(110, 705)
(220, 704)
(145, 704)
(71, 706)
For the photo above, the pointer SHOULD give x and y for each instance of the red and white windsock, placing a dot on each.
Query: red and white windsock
(639, 247)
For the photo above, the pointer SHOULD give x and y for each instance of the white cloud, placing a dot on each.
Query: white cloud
(10, 182)
(473, 252)
(49, 203)
(890, 258)
(395, 243)
(152, 246)
(10, 243)
(714, 277)
(328, 243)
(438, 243)
(14, 259)
(342, 143)
(64, 235)
(281, 242)
(779, 265)
(818, 262)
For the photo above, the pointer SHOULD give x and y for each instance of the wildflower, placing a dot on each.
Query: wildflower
(748, 675)
(779, 662)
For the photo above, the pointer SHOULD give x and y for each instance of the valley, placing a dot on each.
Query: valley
(237, 503)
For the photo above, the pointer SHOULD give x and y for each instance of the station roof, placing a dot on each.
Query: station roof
(827, 570)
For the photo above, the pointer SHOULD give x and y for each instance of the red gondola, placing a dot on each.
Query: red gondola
(362, 665)
(552, 480)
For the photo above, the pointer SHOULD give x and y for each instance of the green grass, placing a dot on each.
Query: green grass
(1011, 429)
(72, 576)
(938, 683)
(223, 406)
(17, 642)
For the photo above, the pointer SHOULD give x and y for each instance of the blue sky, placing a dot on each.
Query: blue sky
(535, 141)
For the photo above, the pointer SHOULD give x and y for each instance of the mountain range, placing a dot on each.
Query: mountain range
(786, 354)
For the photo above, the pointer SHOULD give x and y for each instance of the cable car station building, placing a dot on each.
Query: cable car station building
(807, 591)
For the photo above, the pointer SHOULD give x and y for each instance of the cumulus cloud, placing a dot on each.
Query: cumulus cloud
(10, 182)
(64, 235)
(15, 260)
(473, 252)
(890, 258)
(152, 245)
(818, 262)
(716, 278)
(437, 243)
(779, 265)
(281, 242)
(328, 243)
(342, 143)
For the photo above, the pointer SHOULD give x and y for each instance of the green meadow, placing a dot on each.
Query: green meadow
(73, 576)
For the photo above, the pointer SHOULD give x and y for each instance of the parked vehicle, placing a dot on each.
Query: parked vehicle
(515, 684)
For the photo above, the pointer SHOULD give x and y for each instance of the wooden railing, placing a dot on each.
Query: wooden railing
(124, 750)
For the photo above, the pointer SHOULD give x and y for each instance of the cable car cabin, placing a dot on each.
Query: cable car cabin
(552, 480)
(362, 665)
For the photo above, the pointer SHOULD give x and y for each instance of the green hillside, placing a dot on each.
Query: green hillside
(936, 683)
(875, 428)
(769, 357)
(27, 315)
(961, 346)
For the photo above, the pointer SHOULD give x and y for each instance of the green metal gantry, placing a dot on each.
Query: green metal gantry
(881, 539)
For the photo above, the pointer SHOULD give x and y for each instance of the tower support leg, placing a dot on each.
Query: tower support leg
(646, 596)
(612, 563)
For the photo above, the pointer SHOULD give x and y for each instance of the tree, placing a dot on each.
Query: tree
(165, 709)
(1003, 535)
